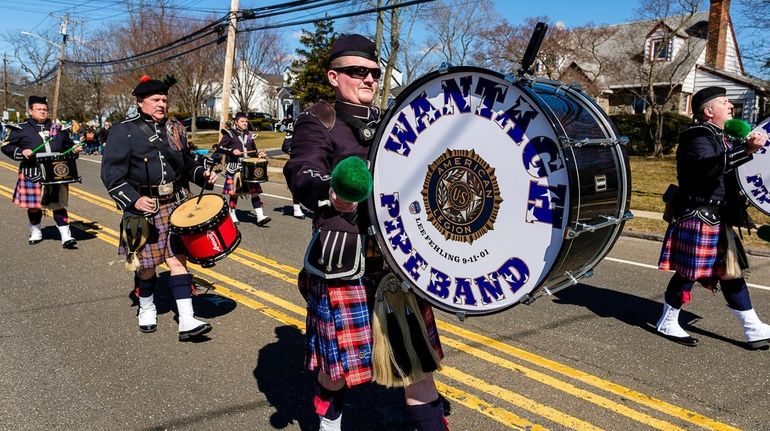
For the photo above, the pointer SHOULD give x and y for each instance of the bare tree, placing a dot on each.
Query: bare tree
(754, 27)
(36, 57)
(257, 53)
(455, 34)
(658, 67)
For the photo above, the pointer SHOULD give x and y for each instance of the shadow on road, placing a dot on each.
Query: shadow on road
(280, 375)
(630, 309)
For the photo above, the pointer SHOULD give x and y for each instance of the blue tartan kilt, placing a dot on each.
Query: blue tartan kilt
(694, 249)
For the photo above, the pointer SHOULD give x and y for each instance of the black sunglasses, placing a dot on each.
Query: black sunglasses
(360, 72)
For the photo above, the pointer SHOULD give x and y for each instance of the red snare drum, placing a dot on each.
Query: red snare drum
(206, 229)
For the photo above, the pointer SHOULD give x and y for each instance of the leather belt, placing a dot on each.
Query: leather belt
(160, 191)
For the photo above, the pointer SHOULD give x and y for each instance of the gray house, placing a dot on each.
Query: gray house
(672, 58)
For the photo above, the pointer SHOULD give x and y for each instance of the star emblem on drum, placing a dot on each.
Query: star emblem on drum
(461, 195)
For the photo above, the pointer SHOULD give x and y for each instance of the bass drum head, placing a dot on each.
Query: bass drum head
(754, 176)
(470, 194)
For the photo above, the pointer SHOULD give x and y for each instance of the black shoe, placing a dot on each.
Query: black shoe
(264, 221)
(194, 333)
(35, 241)
(685, 341)
(148, 328)
(758, 345)
(70, 244)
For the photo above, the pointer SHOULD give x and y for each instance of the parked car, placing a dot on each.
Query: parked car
(202, 123)
(258, 115)
(260, 121)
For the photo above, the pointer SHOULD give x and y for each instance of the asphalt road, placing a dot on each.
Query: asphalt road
(586, 358)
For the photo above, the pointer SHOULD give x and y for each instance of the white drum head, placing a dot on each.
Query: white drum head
(470, 193)
(754, 176)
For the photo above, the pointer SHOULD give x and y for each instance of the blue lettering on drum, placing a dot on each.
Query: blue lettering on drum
(546, 203)
(514, 271)
(423, 109)
(541, 157)
(759, 190)
(514, 121)
(456, 98)
(490, 92)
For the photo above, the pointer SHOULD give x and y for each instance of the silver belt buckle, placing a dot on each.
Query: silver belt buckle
(166, 189)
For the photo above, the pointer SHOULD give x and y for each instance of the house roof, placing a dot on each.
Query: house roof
(623, 46)
(757, 84)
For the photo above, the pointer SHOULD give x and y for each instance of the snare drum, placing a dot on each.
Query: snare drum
(254, 170)
(754, 175)
(58, 168)
(206, 229)
(505, 189)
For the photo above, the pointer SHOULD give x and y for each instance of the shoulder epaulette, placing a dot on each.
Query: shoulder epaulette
(324, 112)
(131, 118)
(227, 132)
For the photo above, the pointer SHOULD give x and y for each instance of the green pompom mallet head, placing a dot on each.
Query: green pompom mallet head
(737, 128)
(351, 180)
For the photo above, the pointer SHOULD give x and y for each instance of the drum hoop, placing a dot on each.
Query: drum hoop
(372, 208)
(526, 87)
(204, 226)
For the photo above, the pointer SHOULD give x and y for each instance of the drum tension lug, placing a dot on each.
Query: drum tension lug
(444, 67)
(460, 315)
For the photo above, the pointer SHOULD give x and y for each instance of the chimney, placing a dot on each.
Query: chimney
(716, 45)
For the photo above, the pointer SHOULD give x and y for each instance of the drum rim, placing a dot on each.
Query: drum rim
(206, 225)
(526, 87)
(50, 157)
(372, 158)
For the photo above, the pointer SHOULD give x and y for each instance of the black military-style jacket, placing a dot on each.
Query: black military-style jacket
(123, 165)
(320, 142)
(235, 139)
(705, 165)
(29, 135)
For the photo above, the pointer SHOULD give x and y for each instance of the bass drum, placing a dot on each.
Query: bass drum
(754, 175)
(491, 191)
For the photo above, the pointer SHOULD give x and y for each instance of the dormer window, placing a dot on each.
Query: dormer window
(660, 50)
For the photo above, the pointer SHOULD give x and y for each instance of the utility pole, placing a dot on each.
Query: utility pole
(5, 82)
(64, 23)
(227, 79)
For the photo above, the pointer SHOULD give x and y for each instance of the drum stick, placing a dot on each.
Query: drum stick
(79, 144)
(39, 147)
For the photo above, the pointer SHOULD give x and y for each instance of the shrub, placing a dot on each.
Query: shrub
(638, 131)
(261, 124)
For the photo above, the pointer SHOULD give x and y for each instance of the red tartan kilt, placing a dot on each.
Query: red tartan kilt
(338, 328)
(27, 194)
(247, 188)
(694, 249)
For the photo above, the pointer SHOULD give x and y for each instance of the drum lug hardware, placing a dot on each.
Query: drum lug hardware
(405, 286)
(372, 230)
(460, 315)
(571, 277)
(510, 78)
(527, 299)
(444, 67)
(583, 227)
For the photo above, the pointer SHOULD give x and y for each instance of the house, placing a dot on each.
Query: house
(260, 90)
(678, 55)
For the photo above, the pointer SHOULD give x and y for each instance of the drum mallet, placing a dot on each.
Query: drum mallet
(351, 181)
(530, 55)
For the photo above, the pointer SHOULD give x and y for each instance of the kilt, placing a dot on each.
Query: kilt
(229, 187)
(338, 327)
(694, 249)
(27, 194)
(161, 244)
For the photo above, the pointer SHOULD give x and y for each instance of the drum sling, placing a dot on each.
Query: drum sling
(402, 354)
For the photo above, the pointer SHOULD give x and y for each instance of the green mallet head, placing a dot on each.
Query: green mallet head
(351, 180)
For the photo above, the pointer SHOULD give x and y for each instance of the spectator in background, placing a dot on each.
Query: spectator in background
(89, 139)
(102, 136)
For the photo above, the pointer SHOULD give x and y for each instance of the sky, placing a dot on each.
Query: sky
(44, 16)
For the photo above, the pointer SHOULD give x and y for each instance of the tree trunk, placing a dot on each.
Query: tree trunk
(657, 132)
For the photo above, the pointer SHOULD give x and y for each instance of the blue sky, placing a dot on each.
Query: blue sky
(41, 16)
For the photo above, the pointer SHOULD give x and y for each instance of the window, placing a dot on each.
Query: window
(640, 105)
(660, 50)
(737, 109)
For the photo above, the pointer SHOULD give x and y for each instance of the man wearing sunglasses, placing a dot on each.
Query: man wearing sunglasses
(338, 292)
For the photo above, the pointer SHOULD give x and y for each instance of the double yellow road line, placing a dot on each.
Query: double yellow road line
(505, 356)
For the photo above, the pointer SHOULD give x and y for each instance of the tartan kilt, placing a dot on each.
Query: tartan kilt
(338, 337)
(27, 194)
(161, 244)
(246, 188)
(694, 249)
